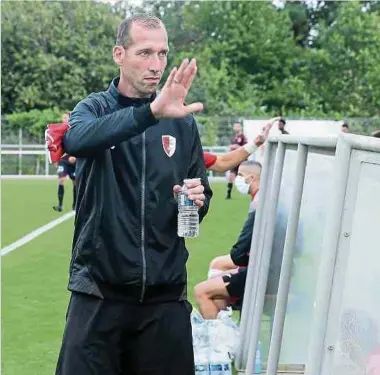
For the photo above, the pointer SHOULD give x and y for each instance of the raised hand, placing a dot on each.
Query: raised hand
(170, 102)
(268, 126)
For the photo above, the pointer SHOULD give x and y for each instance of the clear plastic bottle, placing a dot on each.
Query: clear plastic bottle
(188, 218)
(258, 368)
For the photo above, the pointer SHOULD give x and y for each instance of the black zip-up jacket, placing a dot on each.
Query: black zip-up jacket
(125, 242)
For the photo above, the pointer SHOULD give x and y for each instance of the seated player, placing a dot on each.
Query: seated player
(215, 294)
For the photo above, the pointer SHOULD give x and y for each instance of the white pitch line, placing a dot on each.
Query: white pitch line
(32, 235)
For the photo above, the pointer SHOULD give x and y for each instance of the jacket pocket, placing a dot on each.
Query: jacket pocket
(162, 225)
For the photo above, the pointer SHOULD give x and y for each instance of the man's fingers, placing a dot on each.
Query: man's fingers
(170, 78)
(190, 73)
(195, 189)
(194, 107)
(177, 188)
(199, 203)
(194, 183)
(197, 197)
(179, 75)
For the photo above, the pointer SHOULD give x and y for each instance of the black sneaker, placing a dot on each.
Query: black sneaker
(57, 208)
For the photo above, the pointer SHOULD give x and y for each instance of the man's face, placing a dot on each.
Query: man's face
(251, 177)
(345, 129)
(281, 125)
(237, 128)
(144, 60)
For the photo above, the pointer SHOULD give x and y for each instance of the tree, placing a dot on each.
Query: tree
(55, 53)
(345, 70)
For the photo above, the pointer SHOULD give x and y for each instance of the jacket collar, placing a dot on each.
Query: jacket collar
(126, 101)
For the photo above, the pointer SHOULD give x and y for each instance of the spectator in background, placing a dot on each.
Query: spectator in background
(238, 140)
(65, 167)
(281, 126)
(345, 128)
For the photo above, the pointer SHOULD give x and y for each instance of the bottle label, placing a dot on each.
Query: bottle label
(216, 368)
(185, 201)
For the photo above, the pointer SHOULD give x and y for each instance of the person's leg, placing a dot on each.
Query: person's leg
(212, 296)
(91, 338)
(231, 179)
(61, 190)
(220, 264)
(164, 342)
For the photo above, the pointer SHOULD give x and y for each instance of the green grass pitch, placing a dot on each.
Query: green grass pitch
(34, 276)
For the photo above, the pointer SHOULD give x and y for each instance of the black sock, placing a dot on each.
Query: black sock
(74, 196)
(61, 192)
(229, 188)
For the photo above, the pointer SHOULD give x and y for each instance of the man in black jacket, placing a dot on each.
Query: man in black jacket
(128, 312)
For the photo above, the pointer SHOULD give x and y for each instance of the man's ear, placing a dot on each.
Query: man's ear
(118, 54)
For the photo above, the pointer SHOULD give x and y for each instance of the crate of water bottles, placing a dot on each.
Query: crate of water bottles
(215, 344)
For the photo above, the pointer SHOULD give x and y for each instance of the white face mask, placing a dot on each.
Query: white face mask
(241, 185)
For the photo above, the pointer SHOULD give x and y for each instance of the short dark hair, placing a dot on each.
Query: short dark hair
(148, 21)
(282, 121)
(345, 125)
(252, 163)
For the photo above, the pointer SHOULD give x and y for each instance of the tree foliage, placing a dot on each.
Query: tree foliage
(54, 53)
(254, 58)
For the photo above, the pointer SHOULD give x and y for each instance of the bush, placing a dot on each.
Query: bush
(35, 120)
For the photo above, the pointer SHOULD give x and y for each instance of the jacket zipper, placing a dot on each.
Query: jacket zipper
(143, 217)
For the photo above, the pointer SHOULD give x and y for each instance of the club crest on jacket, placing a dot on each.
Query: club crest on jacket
(169, 145)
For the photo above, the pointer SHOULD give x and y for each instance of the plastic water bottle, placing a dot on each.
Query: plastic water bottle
(258, 368)
(188, 218)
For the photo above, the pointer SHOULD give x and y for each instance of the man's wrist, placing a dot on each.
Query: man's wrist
(250, 148)
(144, 116)
(154, 110)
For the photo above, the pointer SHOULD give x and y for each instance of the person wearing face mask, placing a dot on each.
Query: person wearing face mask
(228, 273)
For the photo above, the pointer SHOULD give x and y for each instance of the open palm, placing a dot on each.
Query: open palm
(170, 102)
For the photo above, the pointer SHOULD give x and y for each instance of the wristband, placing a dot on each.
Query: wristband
(250, 148)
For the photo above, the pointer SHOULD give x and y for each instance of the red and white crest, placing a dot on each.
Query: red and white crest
(169, 144)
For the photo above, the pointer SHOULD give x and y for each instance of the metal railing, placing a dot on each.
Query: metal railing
(340, 151)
